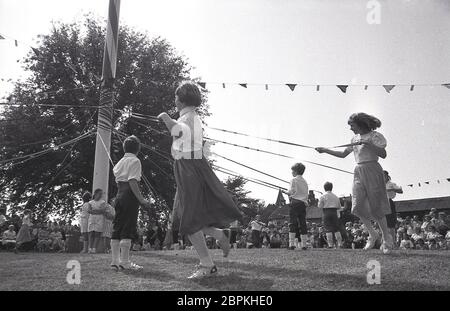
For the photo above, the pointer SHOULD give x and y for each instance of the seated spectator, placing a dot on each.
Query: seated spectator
(406, 242)
(416, 222)
(426, 224)
(57, 243)
(447, 238)
(433, 234)
(275, 239)
(417, 235)
(420, 245)
(358, 239)
(432, 245)
(9, 238)
(44, 240)
(441, 225)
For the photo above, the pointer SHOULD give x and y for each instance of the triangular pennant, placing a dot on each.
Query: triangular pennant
(317, 88)
(291, 86)
(411, 88)
(202, 84)
(410, 185)
(447, 85)
(2, 38)
(366, 87)
(267, 87)
(243, 84)
(343, 88)
(223, 85)
(448, 179)
(388, 88)
(419, 185)
(16, 43)
(427, 182)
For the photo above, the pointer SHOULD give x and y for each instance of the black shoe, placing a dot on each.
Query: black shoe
(115, 268)
(291, 248)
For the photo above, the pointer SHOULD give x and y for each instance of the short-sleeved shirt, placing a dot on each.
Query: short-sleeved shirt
(364, 153)
(129, 167)
(256, 225)
(298, 189)
(392, 186)
(329, 200)
(188, 131)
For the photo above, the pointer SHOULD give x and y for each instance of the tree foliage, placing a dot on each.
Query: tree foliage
(65, 70)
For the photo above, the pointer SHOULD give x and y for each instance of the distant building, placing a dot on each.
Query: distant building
(422, 206)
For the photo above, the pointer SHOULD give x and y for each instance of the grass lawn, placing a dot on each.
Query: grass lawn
(245, 269)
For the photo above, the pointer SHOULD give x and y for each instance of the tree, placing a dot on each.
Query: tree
(249, 207)
(65, 70)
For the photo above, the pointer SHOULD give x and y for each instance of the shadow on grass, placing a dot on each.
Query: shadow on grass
(304, 277)
(234, 281)
(149, 274)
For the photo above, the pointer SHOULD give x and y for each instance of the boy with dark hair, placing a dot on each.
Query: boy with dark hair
(331, 204)
(128, 173)
(298, 195)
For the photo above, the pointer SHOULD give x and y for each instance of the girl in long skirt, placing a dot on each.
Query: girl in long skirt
(202, 205)
(369, 198)
(24, 234)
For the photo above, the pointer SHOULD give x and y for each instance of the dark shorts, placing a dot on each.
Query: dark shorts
(297, 217)
(127, 207)
(233, 235)
(330, 220)
(391, 218)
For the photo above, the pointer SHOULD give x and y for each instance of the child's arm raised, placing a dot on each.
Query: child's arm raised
(168, 121)
(339, 154)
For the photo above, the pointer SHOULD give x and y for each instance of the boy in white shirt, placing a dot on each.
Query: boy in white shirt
(128, 173)
(298, 195)
(331, 205)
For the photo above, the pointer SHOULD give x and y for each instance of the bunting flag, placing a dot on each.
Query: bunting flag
(420, 184)
(202, 84)
(366, 87)
(388, 88)
(16, 43)
(343, 88)
(223, 85)
(2, 38)
(291, 86)
(267, 87)
(318, 88)
(412, 88)
(243, 85)
(447, 85)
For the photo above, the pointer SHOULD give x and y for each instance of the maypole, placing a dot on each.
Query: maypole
(107, 97)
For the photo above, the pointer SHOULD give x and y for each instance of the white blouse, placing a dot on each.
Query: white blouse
(129, 167)
(188, 132)
(364, 153)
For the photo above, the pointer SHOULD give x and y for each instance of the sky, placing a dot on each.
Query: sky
(308, 42)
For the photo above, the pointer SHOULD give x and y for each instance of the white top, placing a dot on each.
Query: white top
(298, 189)
(27, 221)
(392, 186)
(129, 167)
(188, 131)
(256, 225)
(364, 153)
(2, 219)
(329, 200)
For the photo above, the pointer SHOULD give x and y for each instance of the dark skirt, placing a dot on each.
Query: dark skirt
(330, 220)
(126, 206)
(392, 217)
(201, 199)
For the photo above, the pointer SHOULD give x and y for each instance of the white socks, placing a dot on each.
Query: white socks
(291, 239)
(330, 239)
(304, 238)
(115, 252)
(125, 246)
(338, 238)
